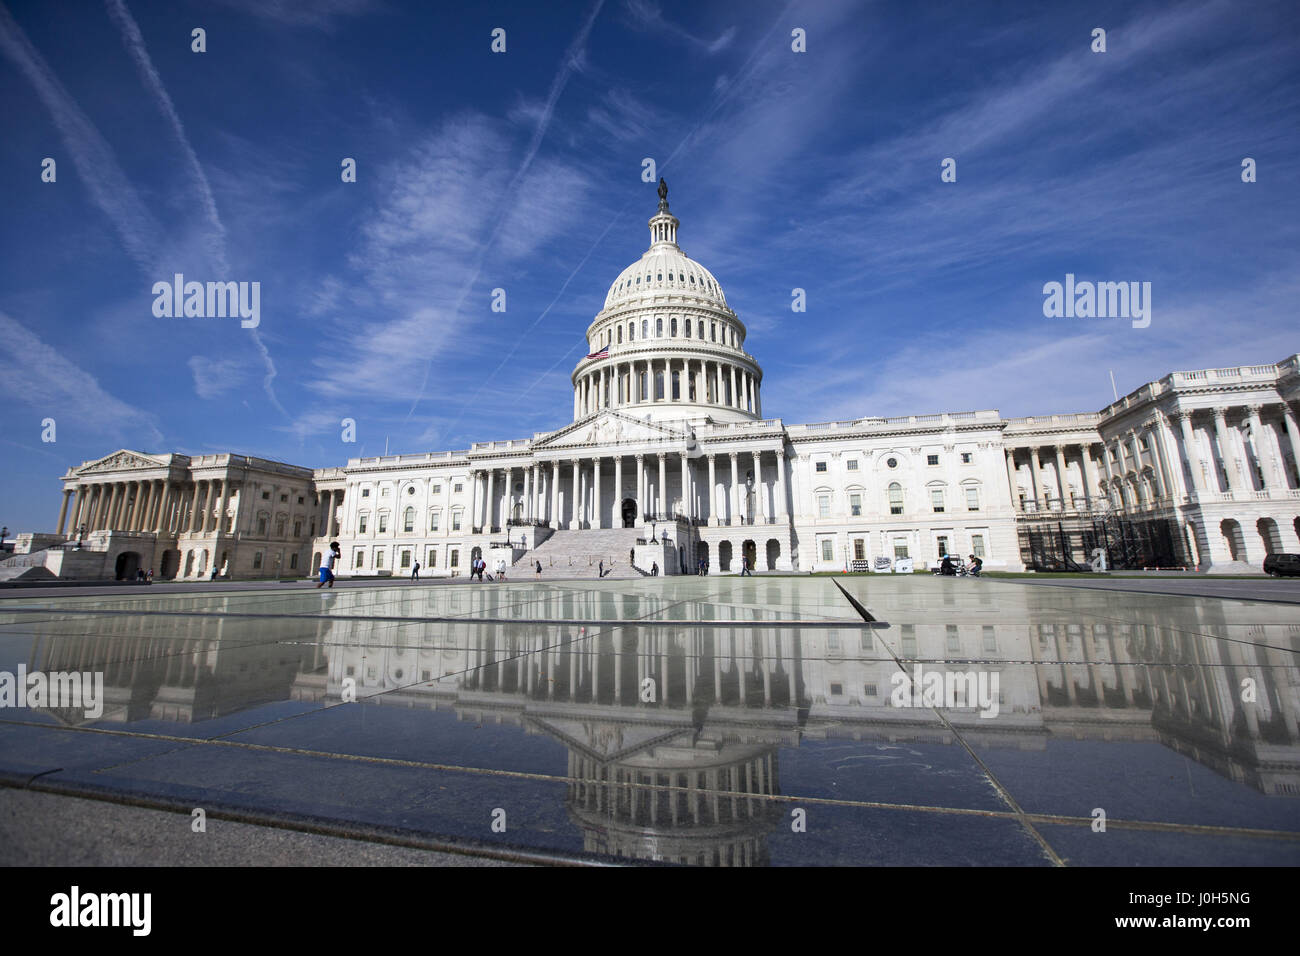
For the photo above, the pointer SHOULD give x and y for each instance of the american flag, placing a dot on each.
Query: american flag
(603, 353)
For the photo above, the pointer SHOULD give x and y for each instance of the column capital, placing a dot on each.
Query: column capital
(1254, 409)
(662, 455)
(1220, 414)
(640, 458)
(1182, 414)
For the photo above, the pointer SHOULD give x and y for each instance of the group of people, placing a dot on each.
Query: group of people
(703, 568)
(477, 566)
(953, 568)
(141, 575)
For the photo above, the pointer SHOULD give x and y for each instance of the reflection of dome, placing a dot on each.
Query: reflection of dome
(665, 269)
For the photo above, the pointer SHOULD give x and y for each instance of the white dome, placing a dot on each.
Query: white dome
(665, 269)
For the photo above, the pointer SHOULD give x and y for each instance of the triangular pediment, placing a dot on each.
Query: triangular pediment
(122, 460)
(608, 428)
(607, 740)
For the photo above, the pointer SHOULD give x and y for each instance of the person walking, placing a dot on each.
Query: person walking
(744, 566)
(149, 577)
(600, 568)
(415, 571)
(539, 570)
(501, 569)
(327, 565)
(654, 569)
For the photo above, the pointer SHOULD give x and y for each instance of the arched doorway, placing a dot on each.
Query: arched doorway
(170, 564)
(702, 552)
(750, 552)
(128, 562)
(1234, 539)
(773, 552)
(475, 553)
(724, 556)
(1269, 534)
(629, 513)
(189, 563)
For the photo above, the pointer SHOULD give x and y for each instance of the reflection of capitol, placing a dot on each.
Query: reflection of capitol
(688, 776)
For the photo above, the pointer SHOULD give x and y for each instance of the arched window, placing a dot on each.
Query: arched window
(408, 519)
(895, 498)
(638, 280)
(631, 331)
(659, 328)
(620, 335)
(645, 328)
(713, 331)
(661, 277)
(673, 324)
(688, 328)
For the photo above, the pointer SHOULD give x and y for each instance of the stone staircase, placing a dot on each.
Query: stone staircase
(577, 554)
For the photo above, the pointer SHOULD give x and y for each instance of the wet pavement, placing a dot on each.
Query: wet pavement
(708, 721)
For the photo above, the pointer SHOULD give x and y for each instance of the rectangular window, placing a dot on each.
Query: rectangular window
(855, 505)
(932, 459)
(266, 496)
(820, 467)
(851, 464)
(455, 557)
(457, 487)
(943, 545)
(828, 550)
(361, 525)
(866, 641)
(859, 550)
(832, 640)
(437, 490)
(455, 521)
(837, 690)
(406, 558)
(972, 499)
(869, 690)
(967, 458)
(952, 643)
(284, 497)
(365, 492)
(300, 499)
(990, 639)
(257, 560)
(379, 559)
(359, 559)
(936, 499)
(383, 523)
(279, 528)
(433, 558)
(900, 550)
(261, 526)
(823, 506)
(977, 545)
(433, 521)
(908, 646)
(293, 562)
(297, 529)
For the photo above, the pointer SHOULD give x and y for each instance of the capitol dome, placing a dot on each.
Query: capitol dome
(666, 346)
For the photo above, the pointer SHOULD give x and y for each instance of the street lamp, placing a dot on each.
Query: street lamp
(81, 533)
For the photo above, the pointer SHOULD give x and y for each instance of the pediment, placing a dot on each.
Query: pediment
(608, 740)
(608, 428)
(123, 460)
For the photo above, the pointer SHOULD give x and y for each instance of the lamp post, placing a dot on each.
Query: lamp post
(81, 533)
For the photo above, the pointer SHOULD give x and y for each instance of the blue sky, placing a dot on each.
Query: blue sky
(522, 170)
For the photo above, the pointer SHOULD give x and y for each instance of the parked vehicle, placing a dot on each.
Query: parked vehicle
(1282, 564)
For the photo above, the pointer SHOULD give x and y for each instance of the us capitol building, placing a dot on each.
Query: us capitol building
(669, 460)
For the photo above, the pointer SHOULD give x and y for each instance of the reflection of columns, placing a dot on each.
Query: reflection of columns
(663, 483)
(713, 494)
(1227, 454)
(575, 514)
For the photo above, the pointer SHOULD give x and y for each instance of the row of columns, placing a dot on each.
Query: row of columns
(582, 506)
(1042, 494)
(1231, 477)
(147, 505)
(330, 503)
(617, 384)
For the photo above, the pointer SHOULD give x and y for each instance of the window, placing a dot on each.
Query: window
(284, 498)
(932, 459)
(410, 489)
(688, 328)
(908, 640)
(300, 500)
(895, 498)
(936, 499)
(943, 545)
(261, 525)
(379, 559)
(455, 557)
(713, 331)
(383, 523)
(631, 331)
(365, 492)
(823, 506)
(645, 328)
(851, 464)
(433, 521)
(900, 548)
(293, 562)
(359, 559)
(266, 496)
(820, 467)
(257, 560)
(457, 487)
(832, 640)
(406, 558)
(859, 551)
(361, 524)
(408, 519)
(279, 528)
(972, 499)
(891, 462)
(967, 458)
(953, 644)
(855, 505)
(837, 690)
(869, 690)
(433, 557)
(297, 529)
(673, 326)
(383, 492)
(455, 521)
(990, 639)
(659, 328)
(828, 550)
(437, 489)
(620, 335)
(977, 545)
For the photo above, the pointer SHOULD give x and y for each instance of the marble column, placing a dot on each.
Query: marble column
(575, 521)
(1034, 476)
(221, 508)
(662, 510)
(735, 490)
(490, 503)
(781, 511)
(760, 493)
(617, 521)
(1191, 450)
(1292, 432)
(1062, 485)
(713, 492)
(1011, 479)
(640, 491)
(686, 487)
(1227, 453)
(555, 495)
(1273, 479)
(63, 511)
(597, 513)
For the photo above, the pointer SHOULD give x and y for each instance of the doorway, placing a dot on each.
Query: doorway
(629, 513)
